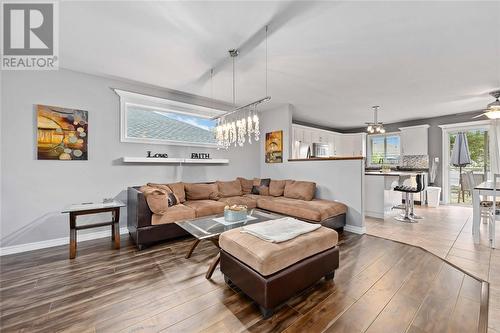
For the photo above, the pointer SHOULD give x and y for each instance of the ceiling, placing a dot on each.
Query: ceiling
(331, 60)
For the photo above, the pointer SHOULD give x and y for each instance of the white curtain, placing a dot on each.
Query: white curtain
(495, 146)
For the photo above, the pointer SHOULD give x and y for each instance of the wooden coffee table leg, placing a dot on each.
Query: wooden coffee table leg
(191, 249)
(115, 229)
(72, 236)
(213, 266)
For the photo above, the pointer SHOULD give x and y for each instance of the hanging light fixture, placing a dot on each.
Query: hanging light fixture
(375, 126)
(241, 124)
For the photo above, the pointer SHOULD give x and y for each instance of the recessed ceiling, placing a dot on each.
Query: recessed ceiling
(331, 60)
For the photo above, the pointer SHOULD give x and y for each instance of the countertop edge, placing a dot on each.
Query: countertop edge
(340, 158)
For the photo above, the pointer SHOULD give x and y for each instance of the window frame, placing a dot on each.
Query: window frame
(369, 149)
(159, 104)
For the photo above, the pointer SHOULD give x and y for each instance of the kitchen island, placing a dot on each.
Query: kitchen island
(379, 194)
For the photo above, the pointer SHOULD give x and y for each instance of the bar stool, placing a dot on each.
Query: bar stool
(409, 206)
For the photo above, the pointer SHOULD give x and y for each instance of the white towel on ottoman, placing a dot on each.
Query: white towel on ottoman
(280, 230)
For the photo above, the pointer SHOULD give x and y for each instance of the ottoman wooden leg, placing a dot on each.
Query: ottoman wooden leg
(330, 276)
(266, 313)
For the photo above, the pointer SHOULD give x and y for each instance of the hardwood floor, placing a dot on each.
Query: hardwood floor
(381, 286)
(447, 232)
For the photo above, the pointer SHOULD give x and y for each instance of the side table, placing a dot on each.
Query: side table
(93, 208)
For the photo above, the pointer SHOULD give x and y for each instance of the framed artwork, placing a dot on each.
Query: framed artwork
(62, 134)
(274, 147)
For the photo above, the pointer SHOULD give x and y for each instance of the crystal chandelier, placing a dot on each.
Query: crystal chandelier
(242, 124)
(375, 126)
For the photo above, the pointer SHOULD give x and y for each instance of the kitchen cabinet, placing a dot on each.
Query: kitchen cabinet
(340, 144)
(351, 144)
(415, 140)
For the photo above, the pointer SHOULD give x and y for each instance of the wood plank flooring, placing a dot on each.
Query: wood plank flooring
(447, 232)
(381, 286)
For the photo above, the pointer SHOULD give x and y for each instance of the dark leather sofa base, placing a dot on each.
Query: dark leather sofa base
(271, 291)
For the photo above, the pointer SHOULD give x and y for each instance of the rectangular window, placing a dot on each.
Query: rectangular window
(384, 149)
(147, 119)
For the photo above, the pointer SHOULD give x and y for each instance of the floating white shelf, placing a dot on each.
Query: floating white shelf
(171, 160)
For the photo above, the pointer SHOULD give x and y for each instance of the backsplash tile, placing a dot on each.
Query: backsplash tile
(416, 161)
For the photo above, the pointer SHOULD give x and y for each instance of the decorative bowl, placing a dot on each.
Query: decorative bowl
(235, 213)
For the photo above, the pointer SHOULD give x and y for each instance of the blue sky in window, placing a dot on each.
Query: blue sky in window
(203, 123)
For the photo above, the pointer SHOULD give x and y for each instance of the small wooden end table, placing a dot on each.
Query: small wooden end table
(93, 208)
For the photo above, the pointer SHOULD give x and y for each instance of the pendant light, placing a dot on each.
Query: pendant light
(242, 124)
(375, 126)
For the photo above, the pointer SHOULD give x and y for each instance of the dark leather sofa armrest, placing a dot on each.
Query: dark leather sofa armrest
(138, 212)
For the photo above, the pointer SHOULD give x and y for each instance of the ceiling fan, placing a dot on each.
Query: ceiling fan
(493, 109)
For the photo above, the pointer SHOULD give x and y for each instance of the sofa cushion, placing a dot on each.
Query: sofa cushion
(252, 196)
(277, 187)
(157, 199)
(267, 258)
(174, 214)
(246, 185)
(315, 210)
(240, 200)
(206, 207)
(230, 188)
(200, 191)
(179, 191)
(295, 189)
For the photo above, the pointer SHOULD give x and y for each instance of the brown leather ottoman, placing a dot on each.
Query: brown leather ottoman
(271, 273)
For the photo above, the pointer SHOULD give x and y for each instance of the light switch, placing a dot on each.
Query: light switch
(436, 159)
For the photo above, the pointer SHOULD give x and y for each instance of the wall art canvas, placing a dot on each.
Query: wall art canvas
(62, 134)
(274, 147)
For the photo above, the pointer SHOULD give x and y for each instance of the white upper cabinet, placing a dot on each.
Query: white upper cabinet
(342, 145)
(351, 144)
(415, 140)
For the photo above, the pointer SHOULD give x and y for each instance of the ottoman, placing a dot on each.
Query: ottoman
(271, 273)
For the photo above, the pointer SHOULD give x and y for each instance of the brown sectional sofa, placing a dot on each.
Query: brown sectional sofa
(153, 209)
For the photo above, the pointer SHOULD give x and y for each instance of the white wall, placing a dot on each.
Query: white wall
(336, 180)
(34, 192)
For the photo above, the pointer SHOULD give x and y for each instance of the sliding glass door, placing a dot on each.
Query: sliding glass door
(459, 189)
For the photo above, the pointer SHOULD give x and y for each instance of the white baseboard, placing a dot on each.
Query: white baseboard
(355, 229)
(56, 242)
(376, 215)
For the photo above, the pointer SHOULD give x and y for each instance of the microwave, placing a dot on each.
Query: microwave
(321, 150)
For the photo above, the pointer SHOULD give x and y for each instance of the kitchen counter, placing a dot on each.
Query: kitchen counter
(379, 194)
(392, 173)
(333, 158)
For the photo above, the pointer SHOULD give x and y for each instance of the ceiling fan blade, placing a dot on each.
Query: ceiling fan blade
(286, 13)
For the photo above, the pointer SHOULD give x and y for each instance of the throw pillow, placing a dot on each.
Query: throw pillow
(156, 199)
(246, 185)
(172, 199)
(301, 190)
(179, 191)
(264, 190)
(230, 188)
(277, 187)
(258, 183)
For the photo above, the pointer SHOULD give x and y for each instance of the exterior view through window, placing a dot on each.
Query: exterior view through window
(144, 123)
(384, 149)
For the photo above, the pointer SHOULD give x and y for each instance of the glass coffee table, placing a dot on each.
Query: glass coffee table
(210, 227)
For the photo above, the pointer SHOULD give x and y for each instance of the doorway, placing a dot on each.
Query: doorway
(456, 189)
